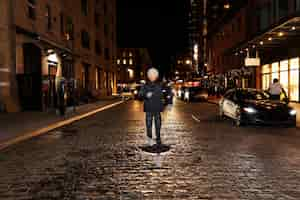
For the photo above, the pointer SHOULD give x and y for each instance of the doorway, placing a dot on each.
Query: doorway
(30, 82)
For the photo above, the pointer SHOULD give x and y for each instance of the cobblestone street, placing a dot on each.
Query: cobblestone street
(99, 158)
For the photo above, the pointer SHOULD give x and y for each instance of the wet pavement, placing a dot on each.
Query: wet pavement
(101, 158)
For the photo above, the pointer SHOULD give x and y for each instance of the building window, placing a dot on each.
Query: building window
(124, 61)
(84, 7)
(62, 23)
(297, 4)
(31, 5)
(98, 48)
(69, 29)
(105, 8)
(239, 24)
(294, 79)
(264, 17)
(97, 19)
(48, 17)
(106, 29)
(130, 54)
(130, 62)
(85, 39)
(118, 61)
(107, 54)
(283, 8)
(98, 78)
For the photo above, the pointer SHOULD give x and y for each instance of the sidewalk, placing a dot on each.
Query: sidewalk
(13, 125)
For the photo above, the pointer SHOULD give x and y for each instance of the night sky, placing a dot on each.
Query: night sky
(159, 25)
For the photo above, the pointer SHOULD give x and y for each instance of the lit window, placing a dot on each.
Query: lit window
(124, 62)
(131, 73)
(294, 79)
(130, 54)
(275, 70)
(118, 61)
(284, 75)
(227, 6)
(130, 62)
(266, 77)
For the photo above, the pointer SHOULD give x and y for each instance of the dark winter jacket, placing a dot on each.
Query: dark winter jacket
(153, 104)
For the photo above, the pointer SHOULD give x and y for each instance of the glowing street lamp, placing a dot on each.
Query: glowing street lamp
(188, 62)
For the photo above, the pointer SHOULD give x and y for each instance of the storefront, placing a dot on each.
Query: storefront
(287, 72)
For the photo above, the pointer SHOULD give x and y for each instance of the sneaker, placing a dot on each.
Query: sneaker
(150, 141)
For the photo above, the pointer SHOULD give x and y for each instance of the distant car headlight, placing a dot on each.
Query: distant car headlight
(135, 92)
(293, 112)
(250, 110)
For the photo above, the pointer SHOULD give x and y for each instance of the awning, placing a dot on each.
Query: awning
(282, 34)
(49, 44)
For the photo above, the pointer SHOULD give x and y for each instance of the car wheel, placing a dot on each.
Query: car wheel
(238, 119)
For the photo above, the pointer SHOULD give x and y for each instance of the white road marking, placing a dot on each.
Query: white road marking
(195, 118)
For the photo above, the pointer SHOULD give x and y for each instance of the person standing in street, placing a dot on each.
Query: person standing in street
(152, 95)
(276, 89)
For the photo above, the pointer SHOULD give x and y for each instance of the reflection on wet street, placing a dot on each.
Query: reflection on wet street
(105, 157)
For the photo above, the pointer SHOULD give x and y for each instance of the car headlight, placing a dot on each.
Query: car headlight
(250, 110)
(293, 112)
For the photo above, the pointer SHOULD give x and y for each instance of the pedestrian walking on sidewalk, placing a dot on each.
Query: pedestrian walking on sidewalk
(152, 95)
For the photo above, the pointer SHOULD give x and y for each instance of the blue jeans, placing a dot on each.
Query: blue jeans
(157, 120)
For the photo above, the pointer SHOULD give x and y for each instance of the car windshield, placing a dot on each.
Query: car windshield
(253, 95)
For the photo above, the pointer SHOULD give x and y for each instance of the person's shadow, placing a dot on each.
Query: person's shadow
(156, 149)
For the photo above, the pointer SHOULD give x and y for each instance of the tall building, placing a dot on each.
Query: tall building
(196, 19)
(132, 64)
(50, 41)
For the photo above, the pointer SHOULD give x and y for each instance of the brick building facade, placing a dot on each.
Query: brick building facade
(50, 41)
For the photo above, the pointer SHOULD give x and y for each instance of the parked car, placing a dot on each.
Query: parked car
(252, 106)
(195, 94)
